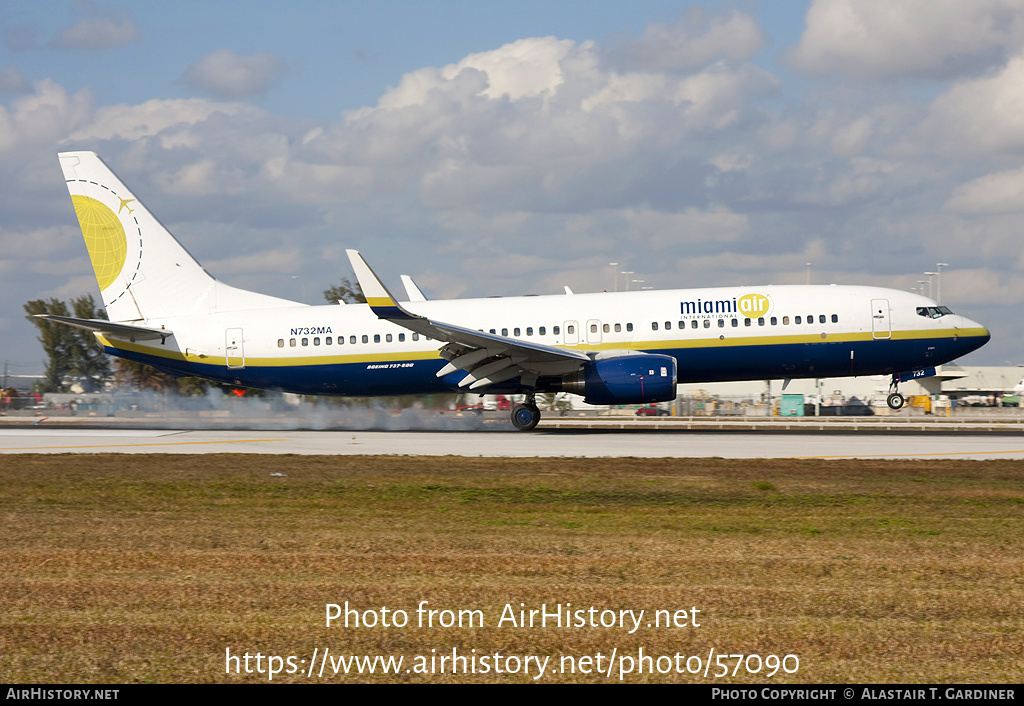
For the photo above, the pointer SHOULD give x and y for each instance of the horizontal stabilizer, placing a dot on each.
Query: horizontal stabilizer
(135, 333)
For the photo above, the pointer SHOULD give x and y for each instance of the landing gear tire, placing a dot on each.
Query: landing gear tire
(895, 401)
(525, 416)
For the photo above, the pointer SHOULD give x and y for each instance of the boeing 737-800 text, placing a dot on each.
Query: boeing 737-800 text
(621, 348)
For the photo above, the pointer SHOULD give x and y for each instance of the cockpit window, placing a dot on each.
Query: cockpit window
(933, 312)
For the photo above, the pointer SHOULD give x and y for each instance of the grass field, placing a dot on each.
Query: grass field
(147, 568)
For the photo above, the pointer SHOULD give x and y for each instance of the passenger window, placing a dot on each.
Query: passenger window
(810, 319)
(835, 318)
(529, 330)
(515, 331)
(654, 325)
(366, 339)
(328, 341)
(415, 337)
(668, 325)
(821, 318)
(707, 323)
(606, 328)
(388, 338)
(401, 338)
(291, 342)
(785, 321)
(694, 324)
(376, 338)
(593, 328)
(316, 341)
(543, 330)
(796, 319)
(504, 332)
(569, 329)
(721, 323)
(280, 343)
(629, 327)
(618, 328)
(746, 322)
(775, 321)
(760, 321)
(735, 323)
(305, 341)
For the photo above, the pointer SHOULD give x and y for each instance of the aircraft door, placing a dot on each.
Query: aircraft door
(881, 327)
(234, 353)
(593, 331)
(572, 333)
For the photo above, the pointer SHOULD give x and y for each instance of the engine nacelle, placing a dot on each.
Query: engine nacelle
(627, 378)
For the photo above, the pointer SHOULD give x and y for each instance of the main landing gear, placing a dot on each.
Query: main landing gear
(525, 416)
(895, 399)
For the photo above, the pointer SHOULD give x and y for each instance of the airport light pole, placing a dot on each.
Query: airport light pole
(931, 293)
(302, 286)
(938, 281)
(616, 273)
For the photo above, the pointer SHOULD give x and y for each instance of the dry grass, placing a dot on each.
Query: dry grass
(124, 568)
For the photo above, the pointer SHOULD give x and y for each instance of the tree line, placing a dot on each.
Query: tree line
(74, 357)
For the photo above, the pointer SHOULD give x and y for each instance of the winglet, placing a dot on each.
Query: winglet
(377, 295)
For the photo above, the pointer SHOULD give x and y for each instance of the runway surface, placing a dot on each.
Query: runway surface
(554, 443)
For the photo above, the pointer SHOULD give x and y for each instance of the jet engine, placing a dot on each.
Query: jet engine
(624, 377)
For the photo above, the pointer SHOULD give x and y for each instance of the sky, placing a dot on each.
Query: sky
(503, 148)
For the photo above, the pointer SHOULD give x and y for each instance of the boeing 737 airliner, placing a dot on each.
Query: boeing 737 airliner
(623, 348)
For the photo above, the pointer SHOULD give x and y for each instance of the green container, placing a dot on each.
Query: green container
(792, 406)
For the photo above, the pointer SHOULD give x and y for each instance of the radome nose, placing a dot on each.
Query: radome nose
(974, 331)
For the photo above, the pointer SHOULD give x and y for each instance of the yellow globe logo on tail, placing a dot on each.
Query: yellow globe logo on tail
(104, 238)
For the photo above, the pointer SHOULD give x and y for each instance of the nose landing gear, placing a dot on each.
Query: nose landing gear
(895, 399)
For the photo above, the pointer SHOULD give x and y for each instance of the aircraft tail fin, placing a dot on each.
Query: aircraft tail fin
(142, 271)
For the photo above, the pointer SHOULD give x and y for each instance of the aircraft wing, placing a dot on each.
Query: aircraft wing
(487, 358)
(134, 333)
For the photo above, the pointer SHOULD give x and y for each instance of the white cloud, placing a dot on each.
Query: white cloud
(98, 33)
(43, 116)
(223, 74)
(276, 261)
(930, 38)
(526, 68)
(1000, 192)
(692, 42)
(979, 116)
(12, 81)
(134, 122)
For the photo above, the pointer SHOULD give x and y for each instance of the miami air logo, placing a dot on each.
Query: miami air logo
(104, 237)
(754, 306)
